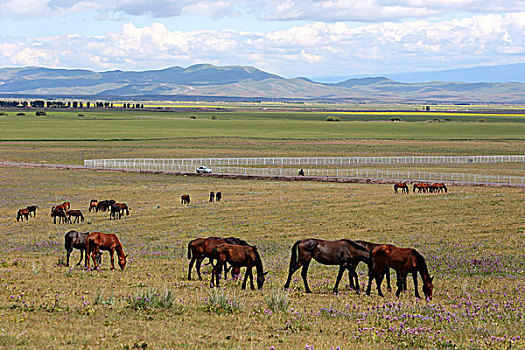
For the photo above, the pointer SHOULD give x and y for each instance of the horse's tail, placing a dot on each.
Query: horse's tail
(189, 251)
(127, 211)
(18, 216)
(445, 188)
(293, 258)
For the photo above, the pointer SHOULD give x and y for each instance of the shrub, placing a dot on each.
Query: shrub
(395, 119)
(219, 302)
(20, 114)
(3, 113)
(192, 117)
(332, 118)
(277, 300)
(482, 120)
(214, 117)
(151, 299)
(40, 113)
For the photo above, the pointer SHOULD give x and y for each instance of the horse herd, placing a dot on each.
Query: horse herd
(421, 187)
(186, 199)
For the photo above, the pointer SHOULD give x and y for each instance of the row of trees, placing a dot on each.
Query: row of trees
(64, 104)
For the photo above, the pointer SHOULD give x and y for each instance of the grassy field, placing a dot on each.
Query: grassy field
(471, 237)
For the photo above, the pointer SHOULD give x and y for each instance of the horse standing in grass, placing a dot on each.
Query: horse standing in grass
(93, 205)
(76, 213)
(345, 253)
(218, 196)
(401, 185)
(97, 241)
(104, 205)
(64, 206)
(201, 248)
(438, 187)
(21, 214)
(212, 196)
(237, 256)
(78, 240)
(404, 261)
(32, 209)
(185, 199)
(60, 213)
(370, 246)
(421, 187)
(118, 208)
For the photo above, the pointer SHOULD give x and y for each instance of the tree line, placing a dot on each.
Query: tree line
(64, 104)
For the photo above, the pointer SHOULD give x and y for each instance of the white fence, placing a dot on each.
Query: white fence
(397, 175)
(145, 163)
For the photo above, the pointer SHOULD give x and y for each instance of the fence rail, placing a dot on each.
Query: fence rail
(397, 175)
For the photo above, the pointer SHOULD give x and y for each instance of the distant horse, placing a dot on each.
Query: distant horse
(104, 205)
(185, 199)
(345, 253)
(64, 206)
(76, 213)
(402, 185)
(97, 241)
(201, 248)
(438, 187)
(93, 205)
(21, 214)
(60, 213)
(78, 240)
(370, 246)
(404, 261)
(218, 196)
(32, 209)
(421, 187)
(237, 256)
(212, 196)
(118, 208)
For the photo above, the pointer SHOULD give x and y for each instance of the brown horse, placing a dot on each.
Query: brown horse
(218, 196)
(118, 208)
(421, 187)
(64, 206)
(21, 214)
(438, 187)
(201, 248)
(32, 209)
(402, 185)
(345, 253)
(185, 199)
(93, 205)
(76, 213)
(60, 213)
(97, 241)
(370, 246)
(237, 256)
(404, 261)
(212, 196)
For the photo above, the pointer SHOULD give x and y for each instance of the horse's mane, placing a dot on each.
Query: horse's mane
(236, 241)
(421, 262)
(356, 245)
(118, 248)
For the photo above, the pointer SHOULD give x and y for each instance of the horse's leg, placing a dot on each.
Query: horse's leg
(353, 273)
(111, 251)
(81, 256)
(198, 267)
(379, 280)
(68, 254)
(249, 268)
(304, 275)
(414, 276)
(192, 261)
(339, 275)
(387, 274)
(401, 281)
(291, 271)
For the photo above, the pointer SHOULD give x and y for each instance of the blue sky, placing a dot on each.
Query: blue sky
(311, 38)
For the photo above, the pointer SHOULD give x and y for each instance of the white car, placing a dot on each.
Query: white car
(203, 170)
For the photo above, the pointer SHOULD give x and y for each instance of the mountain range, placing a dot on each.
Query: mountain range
(208, 82)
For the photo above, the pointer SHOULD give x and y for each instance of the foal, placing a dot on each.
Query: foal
(76, 213)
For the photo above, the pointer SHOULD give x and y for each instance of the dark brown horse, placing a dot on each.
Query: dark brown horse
(438, 187)
(97, 241)
(237, 256)
(60, 213)
(21, 214)
(32, 209)
(404, 261)
(93, 205)
(185, 199)
(370, 246)
(401, 185)
(201, 248)
(78, 240)
(118, 208)
(76, 213)
(345, 253)
(218, 196)
(104, 205)
(421, 187)
(212, 196)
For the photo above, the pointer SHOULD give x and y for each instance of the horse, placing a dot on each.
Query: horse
(402, 185)
(78, 240)
(370, 246)
(404, 261)
(185, 199)
(438, 187)
(201, 248)
(64, 206)
(345, 253)
(237, 256)
(104, 205)
(212, 196)
(118, 208)
(21, 214)
(97, 241)
(93, 205)
(60, 213)
(421, 187)
(218, 196)
(32, 209)
(76, 213)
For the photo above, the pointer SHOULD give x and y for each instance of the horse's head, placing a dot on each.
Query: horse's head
(122, 262)
(260, 280)
(428, 287)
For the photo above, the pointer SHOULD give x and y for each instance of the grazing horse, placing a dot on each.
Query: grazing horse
(64, 206)
(104, 205)
(97, 241)
(201, 248)
(370, 246)
(185, 199)
(212, 196)
(76, 213)
(118, 208)
(237, 256)
(421, 187)
(60, 213)
(345, 253)
(402, 185)
(78, 240)
(32, 209)
(218, 196)
(21, 214)
(438, 187)
(404, 261)
(93, 205)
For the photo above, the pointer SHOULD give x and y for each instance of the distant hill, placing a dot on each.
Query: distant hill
(206, 81)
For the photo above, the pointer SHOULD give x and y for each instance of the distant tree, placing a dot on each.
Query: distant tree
(88, 104)
(75, 104)
(80, 105)
(427, 108)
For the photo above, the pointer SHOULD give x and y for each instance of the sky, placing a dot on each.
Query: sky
(291, 38)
